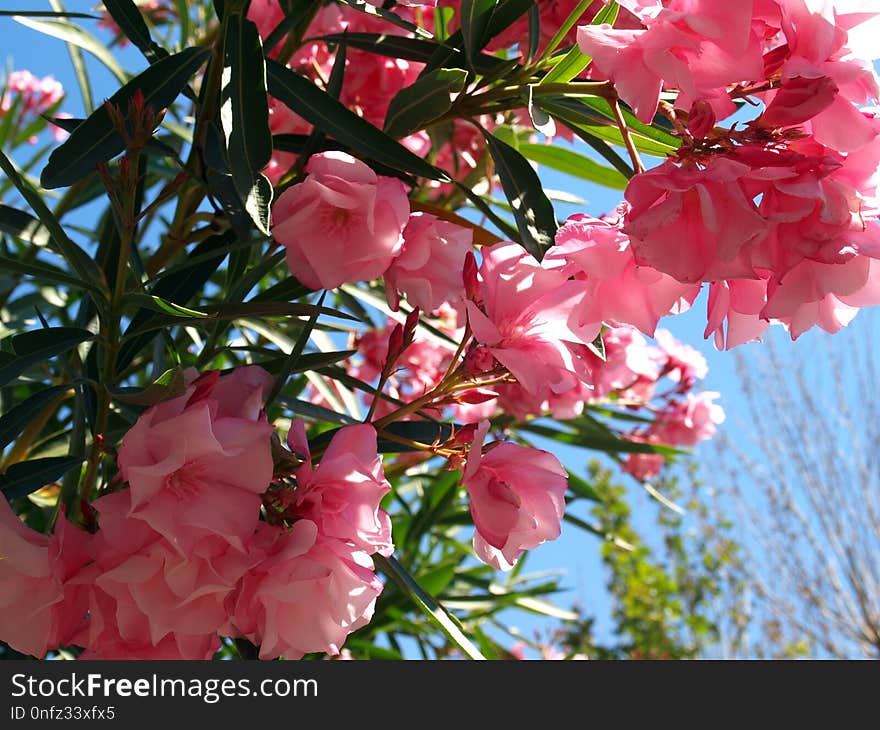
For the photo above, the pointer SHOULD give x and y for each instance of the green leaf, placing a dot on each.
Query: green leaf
(568, 67)
(13, 422)
(573, 163)
(69, 33)
(475, 15)
(169, 384)
(30, 348)
(295, 16)
(25, 477)
(296, 351)
(95, 140)
(532, 209)
(332, 117)
(130, 21)
(416, 106)
(435, 612)
(387, 15)
(582, 488)
(411, 49)
(423, 432)
(43, 272)
(244, 107)
(48, 14)
(82, 264)
(258, 203)
(315, 412)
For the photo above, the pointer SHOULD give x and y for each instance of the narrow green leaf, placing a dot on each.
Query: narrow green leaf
(95, 140)
(30, 348)
(295, 17)
(44, 272)
(13, 421)
(582, 488)
(411, 49)
(130, 21)
(25, 477)
(295, 352)
(573, 163)
(387, 15)
(475, 15)
(244, 107)
(532, 209)
(435, 612)
(69, 33)
(258, 203)
(48, 14)
(332, 117)
(569, 66)
(81, 263)
(315, 412)
(169, 384)
(416, 106)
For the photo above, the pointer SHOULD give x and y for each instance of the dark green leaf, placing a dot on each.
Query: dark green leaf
(43, 272)
(329, 115)
(244, 107)
(30, 348)
(81, 263)
(95, 140)
(180, 287)
(410, 49)
(429, 605)
(475, 15)
(130, 21)
(416, 106)
(13, 422)
(532, 209)
(315, 412)
(25, 477)
(258, 203)
(296, 16)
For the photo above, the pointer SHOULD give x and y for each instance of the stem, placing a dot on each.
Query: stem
(627, 137)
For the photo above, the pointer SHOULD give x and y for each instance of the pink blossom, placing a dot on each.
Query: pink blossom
(630, 369)
(516, 498)
(40, 608)
(618, 290)
(428, 269)
(734, 309)
(689, 421)
(643, 466)
(308, 594)
(197, 464)
(684, 364)
(693, 223)
(343, 223)
(342, 494)
(528, 320)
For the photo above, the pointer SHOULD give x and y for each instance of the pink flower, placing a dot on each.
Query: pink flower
(428, 270)
(197, 464)
(308, 594)
(343, 223)
(643, 466)
(689, 421)
(734, 309)
(693, 223)
(528, 320)
(684, 364)
(630, 369)
(516, 498)
(40, 608)
(342, 494)
(618, 290)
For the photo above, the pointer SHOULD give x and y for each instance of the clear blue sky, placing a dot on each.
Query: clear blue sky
(575, 552)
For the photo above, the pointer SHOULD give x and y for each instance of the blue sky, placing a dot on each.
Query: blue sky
(575, 552)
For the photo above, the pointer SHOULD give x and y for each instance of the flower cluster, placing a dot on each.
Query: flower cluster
(180, 556)
(25, 98)
(778, 217)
